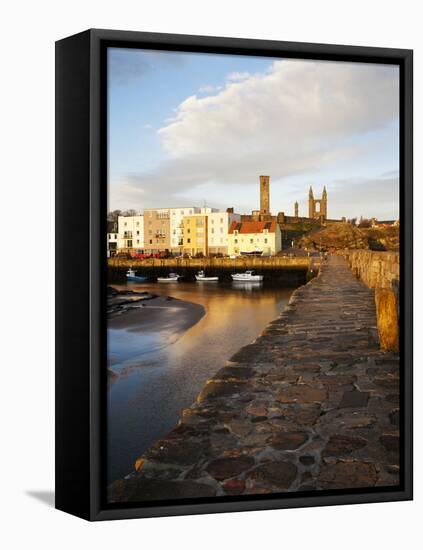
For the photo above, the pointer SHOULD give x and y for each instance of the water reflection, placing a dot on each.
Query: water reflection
(159, 374)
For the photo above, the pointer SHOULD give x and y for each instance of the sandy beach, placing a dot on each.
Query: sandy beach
(143, 312)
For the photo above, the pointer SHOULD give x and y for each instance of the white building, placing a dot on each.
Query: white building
(112, 238)
(131, 232)
(218, 228)
(254, 236)
(176, 225)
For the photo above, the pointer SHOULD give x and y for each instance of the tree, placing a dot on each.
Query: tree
(129, 212)
(113, 215)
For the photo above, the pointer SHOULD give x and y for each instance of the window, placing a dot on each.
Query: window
(251, 241)
(125, 224)
(265, 241)
(212, 220)
(115, 236)
(188, 240)
(138, 224)
(182, 212)
(212, 230)
(151, 242)
(109, 236)
(138, 241)
(236, 241)
(188, 230)
(138, 232)
(221, 220)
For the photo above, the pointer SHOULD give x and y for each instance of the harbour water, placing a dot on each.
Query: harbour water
(161, 370)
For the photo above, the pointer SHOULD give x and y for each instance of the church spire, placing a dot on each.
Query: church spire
(310, 193)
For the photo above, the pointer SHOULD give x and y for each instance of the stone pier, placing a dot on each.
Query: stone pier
(312, 404)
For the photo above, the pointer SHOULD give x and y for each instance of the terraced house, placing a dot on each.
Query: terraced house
(254, 236)
(130, 233)
(157, 230)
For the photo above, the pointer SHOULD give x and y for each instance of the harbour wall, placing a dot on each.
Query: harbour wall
(284, 270)
(381, 271)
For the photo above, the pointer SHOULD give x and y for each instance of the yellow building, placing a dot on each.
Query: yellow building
(195, 240)
(254, 236)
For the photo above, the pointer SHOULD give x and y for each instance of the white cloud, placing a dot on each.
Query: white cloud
(238, 76)
(298, 118)
(297, 109)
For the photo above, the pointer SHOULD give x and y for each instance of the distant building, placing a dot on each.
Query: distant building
(130, 233)
(195, 240)
(217, 230)
(253, 236)
(176, 225)
(157, 237)
(112, 239)
(318, 208)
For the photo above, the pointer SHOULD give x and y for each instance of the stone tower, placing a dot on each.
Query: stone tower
(264, 195)
(296, 209)
(318, 208)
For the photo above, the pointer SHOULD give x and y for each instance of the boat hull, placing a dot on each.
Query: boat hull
(251, 279)
(134, 278)
(167, 279)
(206, 279)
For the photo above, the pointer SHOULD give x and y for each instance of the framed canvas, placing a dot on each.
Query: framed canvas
(234, 274)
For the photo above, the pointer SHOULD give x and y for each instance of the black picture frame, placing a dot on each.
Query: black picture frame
(81, 182)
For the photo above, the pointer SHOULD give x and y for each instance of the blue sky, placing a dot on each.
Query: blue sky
(200, 128)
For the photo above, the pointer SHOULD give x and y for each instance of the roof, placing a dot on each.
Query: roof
(252, 227)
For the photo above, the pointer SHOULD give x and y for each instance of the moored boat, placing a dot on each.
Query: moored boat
(248, 276)
(132, 276)
(171, 278)
(256, 252)
(201, 277)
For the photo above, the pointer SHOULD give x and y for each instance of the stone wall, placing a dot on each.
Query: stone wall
(381, 271)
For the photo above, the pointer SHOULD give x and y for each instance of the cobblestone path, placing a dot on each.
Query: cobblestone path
(311, 404)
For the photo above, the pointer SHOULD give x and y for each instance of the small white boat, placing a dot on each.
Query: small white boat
(248, 276)
(201, 277)
(171, 278)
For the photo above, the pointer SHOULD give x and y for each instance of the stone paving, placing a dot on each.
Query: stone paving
(311, 404)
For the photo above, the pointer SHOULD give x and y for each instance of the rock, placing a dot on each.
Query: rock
(288, 441)
(223, 468)
(234, 486)
(341, 445)
(175, 451)
(277, 474)
(141, 490)
(394, 417)
(337, 380)
(387, 319)
(307, 460)
(216, 389)
(235, 373)
(348, 475)
(307, 367)
(258, 407)
(301, 393)
(391, 442)
(354, 399)
(305, 415)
